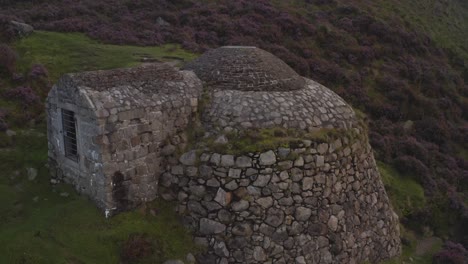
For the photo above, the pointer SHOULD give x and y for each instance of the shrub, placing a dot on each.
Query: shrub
(24, 94)
(452, 253)
(38, 71)
(7, 59)
(3, 124)
(413, 166)
(135, 248)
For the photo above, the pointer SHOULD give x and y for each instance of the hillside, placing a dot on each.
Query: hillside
(402, 63)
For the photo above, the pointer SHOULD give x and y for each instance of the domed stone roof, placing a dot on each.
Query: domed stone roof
(252, 88)
(246, 69)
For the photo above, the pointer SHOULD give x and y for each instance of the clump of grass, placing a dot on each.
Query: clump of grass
(406, 194)
(258, 140)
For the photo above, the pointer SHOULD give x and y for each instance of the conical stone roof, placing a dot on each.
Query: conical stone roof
(246, 69)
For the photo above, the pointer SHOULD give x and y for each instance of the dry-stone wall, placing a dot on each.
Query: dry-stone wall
(315, 203)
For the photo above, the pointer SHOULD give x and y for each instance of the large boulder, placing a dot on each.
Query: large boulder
(21, 29)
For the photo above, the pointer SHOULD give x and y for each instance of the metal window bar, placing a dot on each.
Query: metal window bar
(69, 134)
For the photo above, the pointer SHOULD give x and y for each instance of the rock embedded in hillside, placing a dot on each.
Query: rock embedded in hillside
(32, 173)
(21, 29)
(173, 261)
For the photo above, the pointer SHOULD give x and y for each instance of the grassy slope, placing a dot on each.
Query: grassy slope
(407, 197)
(446, 22)
(72, 52)
(37, 223)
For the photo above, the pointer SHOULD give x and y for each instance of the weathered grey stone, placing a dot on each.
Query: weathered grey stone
(283, 152)
(32, 173)
(215, 159)
(243, 162)
(173, 261)
(232, 185)
(265, 202)
(222, 197)
(191, 171)
(211, 206)
(177, 170)
(250, 171)
(320, 161)
(242, 229)
(286, 201)
(267, 158)
(322, 241)
(296, 228)
(190, 258)
(227, 160)
(259, 254)
(285, 165)
(22, 29)
(212, 183)
(300, 260)
(224, 216)
(241, 205)
(254, 191)
(262, 180)
(188, 158)
(303, 213)
(221, 250)
(206, 172)
(197, 208)
(205, 157)
(307, 183)
(322, 148)
(274, 217)
(221, 140)
(198, 190)
(333, 223)
(210, 227)
(299, 162)
(234, 173)
(168, 150)
(296, 174)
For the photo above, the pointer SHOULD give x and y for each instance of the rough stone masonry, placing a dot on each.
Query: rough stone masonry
(120, 137)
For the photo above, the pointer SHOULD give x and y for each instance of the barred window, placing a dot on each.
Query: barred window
(69, 134)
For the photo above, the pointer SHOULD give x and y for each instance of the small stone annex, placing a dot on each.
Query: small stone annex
(266, 166)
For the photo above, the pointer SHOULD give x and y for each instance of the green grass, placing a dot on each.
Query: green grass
(259, 140)
(406, 195)
(73, 52)
(411, 254)
(38, 225)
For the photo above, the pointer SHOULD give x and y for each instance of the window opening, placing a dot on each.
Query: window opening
(69, 134)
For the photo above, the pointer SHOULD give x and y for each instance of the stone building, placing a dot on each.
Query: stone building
(105, 129)
(305, 187)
